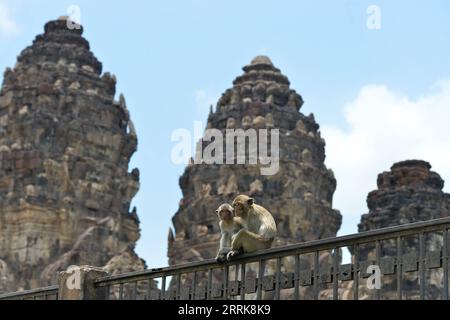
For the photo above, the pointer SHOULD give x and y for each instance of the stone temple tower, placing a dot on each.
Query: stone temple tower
(299, 195)
(409, 192)
(65, 145)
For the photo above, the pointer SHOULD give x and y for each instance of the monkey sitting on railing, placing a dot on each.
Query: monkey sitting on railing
(259, 228)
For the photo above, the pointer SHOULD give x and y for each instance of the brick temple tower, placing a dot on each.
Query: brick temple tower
(299, 195)
(65, 146)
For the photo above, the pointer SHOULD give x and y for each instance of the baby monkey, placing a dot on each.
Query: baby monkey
(229, 226)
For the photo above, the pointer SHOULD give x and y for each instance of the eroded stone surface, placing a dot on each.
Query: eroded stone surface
(65, 146)
(299, 195)
(409, 192)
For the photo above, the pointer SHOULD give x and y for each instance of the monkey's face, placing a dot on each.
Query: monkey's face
(239, 209)
(225, 212)
(241, 205)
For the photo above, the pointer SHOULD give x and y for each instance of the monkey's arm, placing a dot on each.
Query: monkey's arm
(246, 241)
(224, 247)
(245, 236)
(225, 242)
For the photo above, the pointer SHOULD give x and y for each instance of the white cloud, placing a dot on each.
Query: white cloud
(8, 27)
(386, 127)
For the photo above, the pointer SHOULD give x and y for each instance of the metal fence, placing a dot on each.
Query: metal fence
(412, 260)
(49, 293)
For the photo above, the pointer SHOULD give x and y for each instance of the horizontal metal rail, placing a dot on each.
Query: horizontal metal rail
(277, 252)
(32, 294)
(301, 268)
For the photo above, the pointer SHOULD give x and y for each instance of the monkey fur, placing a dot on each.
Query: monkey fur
(259, 228)
(229, 226)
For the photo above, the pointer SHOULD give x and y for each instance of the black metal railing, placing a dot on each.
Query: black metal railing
(412, 258)
(49, 293)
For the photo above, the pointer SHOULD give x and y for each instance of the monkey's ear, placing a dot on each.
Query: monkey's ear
(250, 201)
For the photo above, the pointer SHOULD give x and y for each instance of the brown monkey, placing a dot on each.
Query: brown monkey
(229, 226)
(259, 227)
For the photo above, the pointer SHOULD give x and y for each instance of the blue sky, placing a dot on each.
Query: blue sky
(174, 58)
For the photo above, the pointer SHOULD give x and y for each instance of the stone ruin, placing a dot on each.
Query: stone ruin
(410, 192)
(299, 196)
(65, 146)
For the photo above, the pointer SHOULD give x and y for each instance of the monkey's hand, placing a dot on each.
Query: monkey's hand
(233, 253)
(221, 257)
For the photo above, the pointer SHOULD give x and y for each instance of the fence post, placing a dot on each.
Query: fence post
(77, 283)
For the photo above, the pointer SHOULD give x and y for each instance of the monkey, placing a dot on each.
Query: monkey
(229, 226)
(259, 228)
